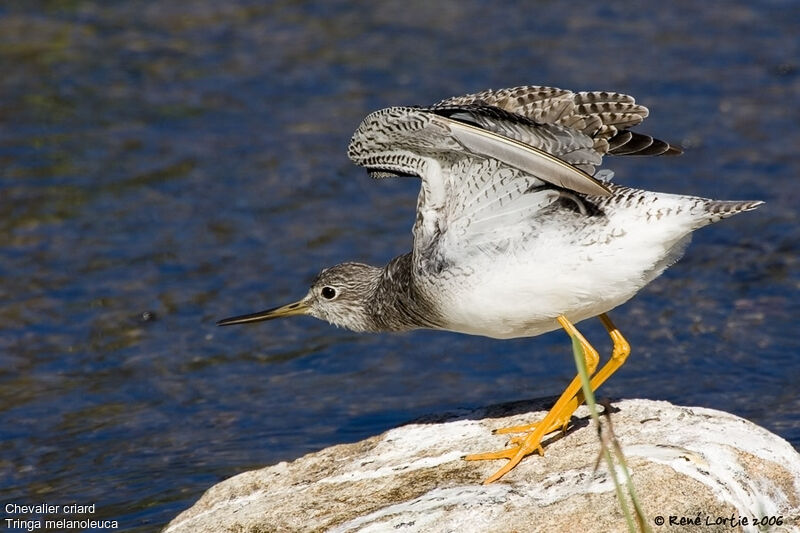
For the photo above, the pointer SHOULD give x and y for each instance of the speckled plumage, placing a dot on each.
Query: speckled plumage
(513, 225)
(502, 252)
(515, 233)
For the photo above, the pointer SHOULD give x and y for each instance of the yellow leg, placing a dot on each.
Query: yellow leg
(532, 441)
(619, 354)
(618, 357)
(567, 403)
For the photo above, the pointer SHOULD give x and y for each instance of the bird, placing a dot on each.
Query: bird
(517, 233)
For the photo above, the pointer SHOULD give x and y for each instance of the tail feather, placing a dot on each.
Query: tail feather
(716, 210)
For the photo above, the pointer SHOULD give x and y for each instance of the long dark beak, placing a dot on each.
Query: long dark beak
(296, 308)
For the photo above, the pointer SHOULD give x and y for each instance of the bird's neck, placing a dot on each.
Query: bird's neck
(397, 303)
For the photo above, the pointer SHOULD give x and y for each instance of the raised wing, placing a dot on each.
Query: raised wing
(412, 141)
(472, 179)
(494, 160)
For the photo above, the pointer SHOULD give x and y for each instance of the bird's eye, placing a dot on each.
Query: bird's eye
(329, 293)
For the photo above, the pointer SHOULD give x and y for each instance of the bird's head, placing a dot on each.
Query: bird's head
(338, 295)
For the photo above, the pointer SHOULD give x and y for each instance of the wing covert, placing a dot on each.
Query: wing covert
(406, 140)
(491, 161)
(469, 176)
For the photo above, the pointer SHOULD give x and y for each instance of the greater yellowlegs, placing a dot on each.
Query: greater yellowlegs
(515, 233)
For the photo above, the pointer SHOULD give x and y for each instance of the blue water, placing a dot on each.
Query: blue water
(164, 166)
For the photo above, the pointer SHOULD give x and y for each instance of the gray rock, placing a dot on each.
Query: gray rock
(686, 463)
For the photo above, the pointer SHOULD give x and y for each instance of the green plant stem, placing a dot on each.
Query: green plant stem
(580, 363)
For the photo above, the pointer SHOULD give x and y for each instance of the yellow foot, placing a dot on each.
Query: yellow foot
(559, 423)
(521, 447)
(561, 413)
(506, 453)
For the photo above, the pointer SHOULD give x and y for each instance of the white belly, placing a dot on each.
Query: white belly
(522, 296)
